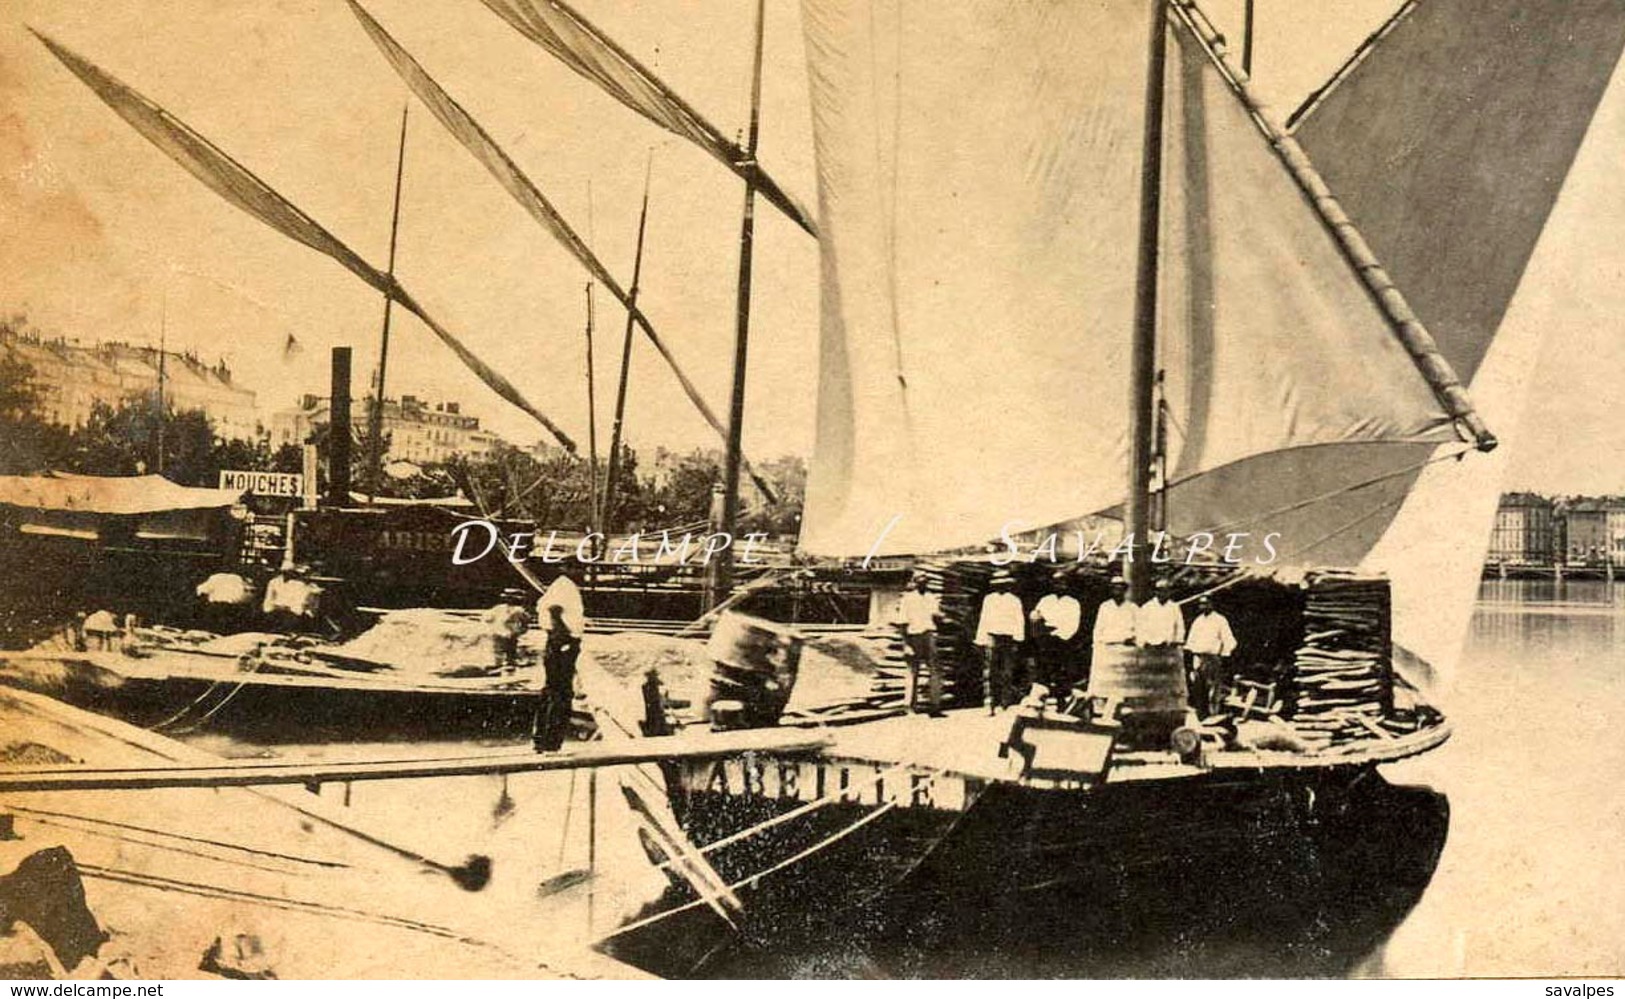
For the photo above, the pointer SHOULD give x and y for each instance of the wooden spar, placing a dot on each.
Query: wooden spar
(1407, 327)
(1141, 415)
(163, 350)
(375, 417)
(722, 580)
(612, 476)
(1247, 40)
(589, 755)
(596, 509)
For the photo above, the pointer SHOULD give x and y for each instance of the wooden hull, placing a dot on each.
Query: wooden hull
(1320, 863)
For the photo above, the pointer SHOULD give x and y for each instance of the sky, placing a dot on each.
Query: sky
(105, 238)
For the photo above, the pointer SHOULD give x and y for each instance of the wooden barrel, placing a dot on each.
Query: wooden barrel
(757, 663)
(1149, 684)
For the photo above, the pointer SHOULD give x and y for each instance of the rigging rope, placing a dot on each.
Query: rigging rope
(1253, 573)
(1340, 491)
(752, 879)
(173, 835)
(210, 689)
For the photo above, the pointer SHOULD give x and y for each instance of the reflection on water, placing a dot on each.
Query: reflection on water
(1540, 595)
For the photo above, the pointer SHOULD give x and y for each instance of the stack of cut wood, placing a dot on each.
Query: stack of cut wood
(961, 586)
(1342, 684)
(889, 687)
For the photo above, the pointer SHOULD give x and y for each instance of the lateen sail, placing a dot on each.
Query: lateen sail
(232, 181)
(479, 143)
(1450, 137)
(574, 41)
(978, 208)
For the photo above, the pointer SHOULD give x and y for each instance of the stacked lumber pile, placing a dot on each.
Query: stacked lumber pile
(1342, 683)
(889, 685)
(961, 586)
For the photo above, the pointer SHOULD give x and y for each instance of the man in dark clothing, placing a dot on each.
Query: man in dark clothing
(559, 666)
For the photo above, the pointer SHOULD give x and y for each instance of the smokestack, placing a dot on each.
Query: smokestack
(338, 431)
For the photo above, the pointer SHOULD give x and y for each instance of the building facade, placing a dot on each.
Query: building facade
(416, 431)
(1524, 531)
(1594, 531)
(71, 379)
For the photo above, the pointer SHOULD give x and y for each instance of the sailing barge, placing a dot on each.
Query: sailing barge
(994, 357)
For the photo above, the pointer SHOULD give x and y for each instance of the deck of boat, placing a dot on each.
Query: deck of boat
(966, 742)
(184, 665)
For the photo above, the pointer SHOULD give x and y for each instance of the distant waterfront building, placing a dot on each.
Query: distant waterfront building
(71, 379)
(416, 431)
(1616, 535)
(1524, 532)
(1594, 530)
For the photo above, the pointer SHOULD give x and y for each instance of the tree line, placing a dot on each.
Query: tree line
(547, 486)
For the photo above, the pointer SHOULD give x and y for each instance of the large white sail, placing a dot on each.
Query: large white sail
(978, 176)
(1451, 137)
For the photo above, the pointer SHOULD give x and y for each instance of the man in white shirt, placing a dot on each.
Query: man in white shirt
(1116, 620)
(1000, 629)
(919, 613)
(1055, 625)
(1158, 623)
(292, 603)
(505, 622)
(225, 602)
(1210, 644)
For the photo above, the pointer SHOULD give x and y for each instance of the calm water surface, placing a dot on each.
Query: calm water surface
(1532, 880)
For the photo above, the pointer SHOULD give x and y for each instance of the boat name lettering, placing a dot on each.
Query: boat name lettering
(804, 781)
(417, 541)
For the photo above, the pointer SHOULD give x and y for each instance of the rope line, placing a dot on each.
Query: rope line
(1341, 490)
(754, 878)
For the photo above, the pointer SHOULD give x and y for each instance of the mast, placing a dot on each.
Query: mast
(375, 417)
(163, 351)
(1142, 416)
(722, 580)
(596, 511)
(613, 473)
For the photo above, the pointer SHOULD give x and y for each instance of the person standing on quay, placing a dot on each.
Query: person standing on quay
(1000, 630)
(919, 614)
(562, 618)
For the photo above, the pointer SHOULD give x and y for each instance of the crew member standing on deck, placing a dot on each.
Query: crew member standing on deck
(101, 631)
(505, 623)
(1158, 624)
(226, 601)
(1210, 644)
(1055, 624)
(564, 620)
(1000, 630)
(919, 614)
(1115, 621)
